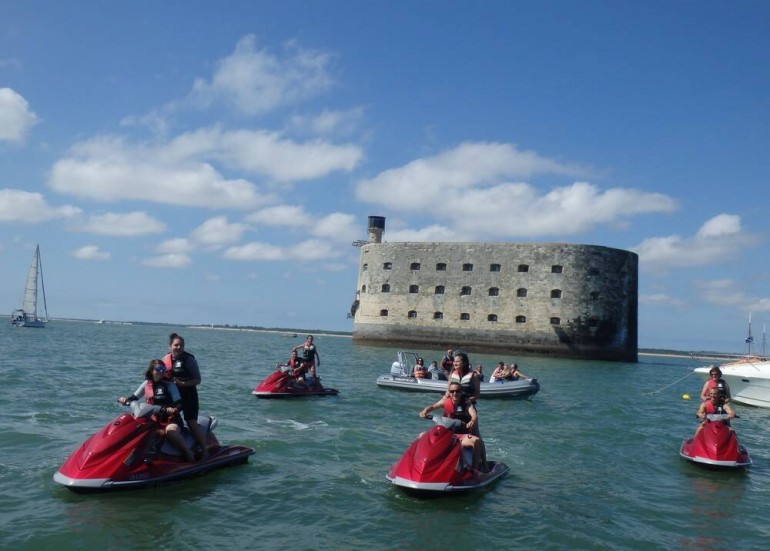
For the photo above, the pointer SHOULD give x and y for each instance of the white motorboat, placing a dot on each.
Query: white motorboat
(26, 316)
(749, 380)
(401, 378)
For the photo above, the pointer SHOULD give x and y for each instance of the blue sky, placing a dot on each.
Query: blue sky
(201, 162)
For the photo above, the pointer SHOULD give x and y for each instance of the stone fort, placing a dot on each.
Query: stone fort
(555, 299)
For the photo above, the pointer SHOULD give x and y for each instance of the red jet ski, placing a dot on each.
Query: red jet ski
(281, 384)
(435, 464)
(716, 445)
(122, 455)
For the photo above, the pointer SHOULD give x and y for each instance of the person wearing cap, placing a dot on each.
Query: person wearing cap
(159, 391)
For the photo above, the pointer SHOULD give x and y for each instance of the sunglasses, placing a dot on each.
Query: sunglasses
(160, 369)
(454, 392)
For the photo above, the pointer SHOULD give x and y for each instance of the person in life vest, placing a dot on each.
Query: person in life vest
(464, 374)
(715, 404)
(182, 368)
(715, 381)
(158, 391)
(310, 357)
(420, 371)
(456, 406)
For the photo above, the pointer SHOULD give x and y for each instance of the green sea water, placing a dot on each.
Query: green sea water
(594, 458)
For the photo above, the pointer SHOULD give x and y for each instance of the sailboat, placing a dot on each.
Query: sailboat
(26, 316)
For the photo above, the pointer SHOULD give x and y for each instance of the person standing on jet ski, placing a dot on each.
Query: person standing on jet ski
(457, 406)
(310, 356)
(182, 368)
(715, 404)
(158, 391)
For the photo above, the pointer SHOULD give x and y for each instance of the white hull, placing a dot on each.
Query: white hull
(401, 379)
(509, 389)
(749, 381)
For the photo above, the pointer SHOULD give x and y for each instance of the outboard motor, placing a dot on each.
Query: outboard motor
(397, 368)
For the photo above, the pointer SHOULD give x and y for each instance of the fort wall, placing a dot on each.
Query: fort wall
(557, 299)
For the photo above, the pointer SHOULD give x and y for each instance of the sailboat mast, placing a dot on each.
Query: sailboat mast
(42, 282)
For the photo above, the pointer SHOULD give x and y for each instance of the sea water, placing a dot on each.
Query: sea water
(594, 456)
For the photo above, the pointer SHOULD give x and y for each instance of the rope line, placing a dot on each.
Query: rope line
(665, 387)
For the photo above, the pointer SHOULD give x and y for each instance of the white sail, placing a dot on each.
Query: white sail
(29, 304)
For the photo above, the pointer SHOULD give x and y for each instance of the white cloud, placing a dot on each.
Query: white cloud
(255, 251)
(466, 190)
(91, 252)
(218, 231)
(280, 215)
(254, 81)
(16, 118)
(174, 246)
(718, 240)
(728, 292)
(108, 169)
(425, 183)
(660, 299)
(329, 122)
(337, 226)
(284, 160)
(306, 251)
(29, 208)
(121, 224)
(434, 232)
(171, 260)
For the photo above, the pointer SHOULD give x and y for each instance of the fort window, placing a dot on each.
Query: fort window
(555, 321)
(594, 295)
(441, 267)
(414, 288)
(593, 272)
(412, 314)
(386, 288)
(439, 289)
(465, 291)
(555, 293)
(387, 266)
(593, 322)
(521, 319)
(383, 313)
(521, 292)
(465, 316)
(523, 267)
(556, 269)
(438, 315)
(414, 266)
(492, 317)
(494, 291)
(494, 267)
(467, 267)
(363, 288)
(365, 267)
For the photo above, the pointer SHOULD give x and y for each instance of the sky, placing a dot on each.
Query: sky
(212, 162)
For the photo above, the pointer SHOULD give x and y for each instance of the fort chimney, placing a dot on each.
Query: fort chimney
(376, 227)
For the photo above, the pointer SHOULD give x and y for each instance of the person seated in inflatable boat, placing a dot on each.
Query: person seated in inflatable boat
(159, 391)
(457, 406)
(715, 404)
(420, 371)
